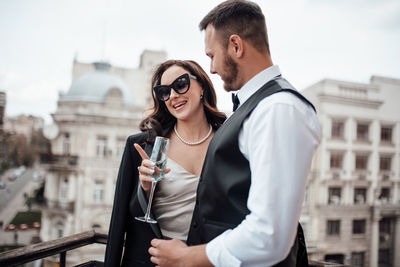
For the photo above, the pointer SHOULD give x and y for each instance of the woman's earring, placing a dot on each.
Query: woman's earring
(201, 97)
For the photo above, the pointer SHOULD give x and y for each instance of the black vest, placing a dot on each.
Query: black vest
(224, 184)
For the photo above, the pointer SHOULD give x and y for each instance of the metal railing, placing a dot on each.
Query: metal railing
(45, 249)
(58, 206)
(62, 245)
(59, 160)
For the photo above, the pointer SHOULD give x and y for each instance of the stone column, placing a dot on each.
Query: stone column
(397, 240)
(71, 195)
(395, 194)
(374, 237)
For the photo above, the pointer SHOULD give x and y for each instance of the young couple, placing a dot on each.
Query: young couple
(236, 187)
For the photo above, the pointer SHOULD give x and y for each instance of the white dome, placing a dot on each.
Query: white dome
(94, 86)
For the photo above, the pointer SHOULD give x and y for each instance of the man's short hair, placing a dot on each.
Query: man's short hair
(240, 17)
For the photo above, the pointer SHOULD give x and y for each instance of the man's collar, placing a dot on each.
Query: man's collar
(256, 82)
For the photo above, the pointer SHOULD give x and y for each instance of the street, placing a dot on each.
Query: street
(12, 187)
(11, 201)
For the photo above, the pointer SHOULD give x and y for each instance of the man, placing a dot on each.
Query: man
(252, 185)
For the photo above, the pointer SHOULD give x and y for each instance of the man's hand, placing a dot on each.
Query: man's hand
(165, 253)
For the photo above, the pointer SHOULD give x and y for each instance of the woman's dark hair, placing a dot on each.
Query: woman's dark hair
(160, 118)
(240, 17)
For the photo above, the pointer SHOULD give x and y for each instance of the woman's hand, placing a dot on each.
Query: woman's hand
(145, 172)
(146, 169)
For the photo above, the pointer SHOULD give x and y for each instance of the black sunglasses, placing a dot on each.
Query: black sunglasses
(181, 85)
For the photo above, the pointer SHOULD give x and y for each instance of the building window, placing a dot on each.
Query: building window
(96, 227)
(386, 226)
(336, 160)
(362, 131)
(359, 226)
(337, 129)
(334, 258)
(384, 195)
(63, 190)
(357, 259)
(101, 150)
(361, 162)
(59, 230)
(334, 195)
(66, 144)
(384, 257)
(360, 195)
(386, 134)
(120, 146)
(385, 163)
(98, 192)
(333, 227)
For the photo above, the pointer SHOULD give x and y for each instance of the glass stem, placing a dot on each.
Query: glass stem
(153, 185)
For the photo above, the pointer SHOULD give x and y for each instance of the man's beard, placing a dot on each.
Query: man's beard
(231, 71)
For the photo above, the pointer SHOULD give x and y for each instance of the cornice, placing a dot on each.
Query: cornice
(97, 119)
(373, 104)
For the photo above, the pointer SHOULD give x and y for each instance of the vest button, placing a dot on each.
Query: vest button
(194, 224)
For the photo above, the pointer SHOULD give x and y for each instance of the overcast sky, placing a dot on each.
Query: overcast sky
(310, 40)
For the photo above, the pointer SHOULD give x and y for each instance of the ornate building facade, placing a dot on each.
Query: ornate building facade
(103, 106)
(351, 211)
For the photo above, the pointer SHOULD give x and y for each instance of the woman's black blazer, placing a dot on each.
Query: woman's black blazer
(129, 202)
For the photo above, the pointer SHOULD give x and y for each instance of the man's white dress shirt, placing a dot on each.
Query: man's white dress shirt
(278, 139)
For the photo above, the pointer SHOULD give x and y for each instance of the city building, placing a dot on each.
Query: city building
(23, 124)
(351, 211)
(2, 108)
(102, 107)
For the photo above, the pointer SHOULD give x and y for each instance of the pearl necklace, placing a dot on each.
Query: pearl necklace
(193, 143)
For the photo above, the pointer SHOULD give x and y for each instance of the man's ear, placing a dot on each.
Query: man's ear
(236, 45)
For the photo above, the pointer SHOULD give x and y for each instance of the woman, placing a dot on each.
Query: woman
(184, 111)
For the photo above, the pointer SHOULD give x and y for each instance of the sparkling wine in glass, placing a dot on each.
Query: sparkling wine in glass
(159, 157)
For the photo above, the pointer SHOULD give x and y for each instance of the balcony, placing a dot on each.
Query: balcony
(62, 245)
(386, 175)
(53, 162)
(58, 206)
(59, 246)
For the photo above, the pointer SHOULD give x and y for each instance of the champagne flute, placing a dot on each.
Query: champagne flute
(159, 157)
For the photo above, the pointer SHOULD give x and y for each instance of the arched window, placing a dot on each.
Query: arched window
(96, 226)
(98, 192)
(66, 144)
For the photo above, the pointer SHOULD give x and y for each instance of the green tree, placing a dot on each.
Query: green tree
(17, 150)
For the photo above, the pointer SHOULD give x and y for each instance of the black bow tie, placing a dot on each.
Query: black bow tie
(235, 101)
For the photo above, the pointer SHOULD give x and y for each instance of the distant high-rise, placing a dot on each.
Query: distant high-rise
(351, 211)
